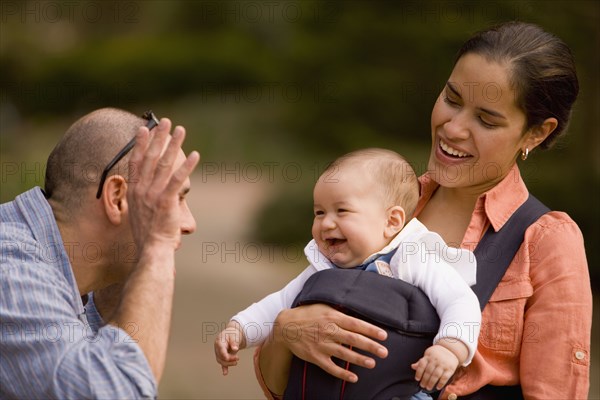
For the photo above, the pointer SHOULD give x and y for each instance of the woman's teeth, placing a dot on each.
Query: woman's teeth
(453, 152)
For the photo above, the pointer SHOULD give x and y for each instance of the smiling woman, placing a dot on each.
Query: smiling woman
(511, 90)
(476, 140)
(472, 131)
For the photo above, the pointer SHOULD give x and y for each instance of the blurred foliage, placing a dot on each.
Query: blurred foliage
(279, 82)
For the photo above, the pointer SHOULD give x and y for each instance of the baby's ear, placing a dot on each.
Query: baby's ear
(395, 221)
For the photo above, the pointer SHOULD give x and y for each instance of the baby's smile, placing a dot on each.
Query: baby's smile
(333, 242)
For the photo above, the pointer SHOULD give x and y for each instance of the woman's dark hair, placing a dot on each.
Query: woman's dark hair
(541, 71)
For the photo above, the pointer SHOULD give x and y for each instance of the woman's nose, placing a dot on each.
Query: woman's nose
(457, 128)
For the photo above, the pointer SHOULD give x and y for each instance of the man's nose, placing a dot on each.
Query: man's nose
(188, 222)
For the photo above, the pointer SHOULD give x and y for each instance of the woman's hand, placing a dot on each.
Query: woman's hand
(317, 332)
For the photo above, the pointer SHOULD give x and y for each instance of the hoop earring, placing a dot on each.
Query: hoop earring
(525, 154)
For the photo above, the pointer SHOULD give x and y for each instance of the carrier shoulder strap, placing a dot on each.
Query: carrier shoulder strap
(496, 250)
(494, 254)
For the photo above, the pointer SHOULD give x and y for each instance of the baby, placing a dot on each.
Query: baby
(362, 203)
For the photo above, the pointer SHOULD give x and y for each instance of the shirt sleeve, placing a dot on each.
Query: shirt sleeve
(257, 320)
(555, 349)
(421, 264)
(50, 352)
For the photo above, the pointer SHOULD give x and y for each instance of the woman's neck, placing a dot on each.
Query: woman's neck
(448, 213)
(457, 199)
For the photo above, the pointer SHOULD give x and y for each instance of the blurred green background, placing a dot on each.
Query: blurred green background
(271, 91)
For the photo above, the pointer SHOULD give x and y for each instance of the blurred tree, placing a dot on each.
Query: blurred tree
(282, 81)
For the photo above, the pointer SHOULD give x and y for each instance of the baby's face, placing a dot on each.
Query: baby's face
(349, 216)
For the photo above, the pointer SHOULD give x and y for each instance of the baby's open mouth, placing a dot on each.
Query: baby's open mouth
(334, 242)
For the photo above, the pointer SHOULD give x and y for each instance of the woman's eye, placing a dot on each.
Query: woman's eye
(486, 124)
(448, 100)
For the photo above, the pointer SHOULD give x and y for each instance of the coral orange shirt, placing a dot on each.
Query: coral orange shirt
(536, 328)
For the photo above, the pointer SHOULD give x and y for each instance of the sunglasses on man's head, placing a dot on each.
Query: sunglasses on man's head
(152, 122)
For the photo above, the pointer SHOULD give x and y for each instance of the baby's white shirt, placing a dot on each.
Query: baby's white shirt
(423, 259)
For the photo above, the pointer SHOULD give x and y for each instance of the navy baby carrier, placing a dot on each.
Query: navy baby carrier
(407, 316)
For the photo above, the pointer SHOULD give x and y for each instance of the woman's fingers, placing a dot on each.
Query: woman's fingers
(346, 354)
(358, 333)
(331, 368)
(316, 333)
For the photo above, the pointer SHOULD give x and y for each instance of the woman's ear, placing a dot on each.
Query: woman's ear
(539, 133)
(114, 198)
(395, 221)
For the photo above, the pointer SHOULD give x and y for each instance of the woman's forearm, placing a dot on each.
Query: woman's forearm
(274, 363)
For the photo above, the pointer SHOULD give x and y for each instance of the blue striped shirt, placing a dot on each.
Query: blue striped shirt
(51, 345)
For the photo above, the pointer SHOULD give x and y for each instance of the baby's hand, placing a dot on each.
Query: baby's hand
(227, 344)
(436, 367)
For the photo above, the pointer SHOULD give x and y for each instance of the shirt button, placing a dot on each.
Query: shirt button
(452, 396)
(580, 355)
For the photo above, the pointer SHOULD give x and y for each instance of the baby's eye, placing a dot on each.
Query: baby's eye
(319, 212)
(342, 210)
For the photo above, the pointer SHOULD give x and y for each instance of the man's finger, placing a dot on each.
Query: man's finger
(182, 173)
(164, 166)
(158, 139)
(137, 155)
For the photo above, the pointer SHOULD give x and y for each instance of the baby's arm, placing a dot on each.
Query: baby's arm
(253, 325)
(454, 301)
(229, 341)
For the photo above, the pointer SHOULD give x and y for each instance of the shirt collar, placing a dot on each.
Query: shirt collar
(413, 228)
(498, 203)
(502, 200)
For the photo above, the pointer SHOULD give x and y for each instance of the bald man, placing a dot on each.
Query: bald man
(88, 265)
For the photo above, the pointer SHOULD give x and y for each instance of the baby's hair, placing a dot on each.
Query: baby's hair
(390, 170)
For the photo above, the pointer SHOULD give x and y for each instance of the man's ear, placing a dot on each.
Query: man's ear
(395, 221)
(539, 133)
(114, 198)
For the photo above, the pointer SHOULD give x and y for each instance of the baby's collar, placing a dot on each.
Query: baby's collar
(413, 228)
